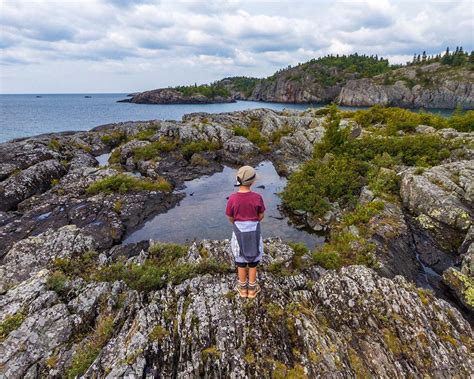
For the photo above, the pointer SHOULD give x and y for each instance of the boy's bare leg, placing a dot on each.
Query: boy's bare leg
(253, 285)
(242, 272)
(252, 274)
(242, 285)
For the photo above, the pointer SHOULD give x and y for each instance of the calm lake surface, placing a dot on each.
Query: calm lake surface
(28, 115)
(32, 114)
(200, 215)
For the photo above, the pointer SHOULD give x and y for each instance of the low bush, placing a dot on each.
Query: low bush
(191, 148)
(411, 150)
(407, 120)
(277, 134)
(10, 323)
(147, 133)
(56, 282)
(114, 138)
(320, 181)
(344, 249)
(88, 352)
(363, 213)
(153, 150)
(124, 183)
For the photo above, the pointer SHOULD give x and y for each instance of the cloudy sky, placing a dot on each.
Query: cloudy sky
(131, 45)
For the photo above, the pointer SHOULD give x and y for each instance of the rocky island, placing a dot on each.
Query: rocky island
(355, 80)
(182, 95)
(390, 293)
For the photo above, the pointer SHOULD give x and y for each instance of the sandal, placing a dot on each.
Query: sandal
(253, 290)
(241, 288)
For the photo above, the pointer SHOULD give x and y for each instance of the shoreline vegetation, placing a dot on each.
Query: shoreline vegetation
(353, 80)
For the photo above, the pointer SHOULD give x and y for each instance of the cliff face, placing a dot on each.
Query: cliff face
(303, 84)
(431, 86)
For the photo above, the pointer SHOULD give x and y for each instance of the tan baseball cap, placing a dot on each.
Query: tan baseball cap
(246, 176)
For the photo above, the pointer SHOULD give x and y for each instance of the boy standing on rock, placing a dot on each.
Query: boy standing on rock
(245, 209)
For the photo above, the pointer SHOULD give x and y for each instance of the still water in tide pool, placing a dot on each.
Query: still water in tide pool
(201, 214)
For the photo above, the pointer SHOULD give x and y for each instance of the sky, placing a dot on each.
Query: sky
(93, 46)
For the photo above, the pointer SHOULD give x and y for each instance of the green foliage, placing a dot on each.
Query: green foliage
(10, 323)
(242, 84)
(190, 148)
(153, 150)
(406, 120)
(56, 282)
(344, 249)
(147, 133)
(252, 133)
(161, 267)
(277, 134)
(88, 352)
(54, 144)
(330, 260)
(158, 334)
(124, 183)
(462, 121)
(334, 138)
(77, 266)
(114, 138)
(411, 150)
(333, 179)
(210, 91)
(363, 213)
(383, 181)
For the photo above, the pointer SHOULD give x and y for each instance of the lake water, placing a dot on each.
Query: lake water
(32, 114)
(28, 115)
(200, 215)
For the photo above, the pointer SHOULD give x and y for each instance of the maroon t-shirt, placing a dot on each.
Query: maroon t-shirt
(245, 206)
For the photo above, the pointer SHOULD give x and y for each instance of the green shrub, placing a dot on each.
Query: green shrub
(363, 213)
(77, 266)
(210, 91)
(335, 179)
(147, 133)
(463, 122)
(127, 183)
(344, 248)
(190, 148)
(407, 120)
(88, 352)
(411, 150)
(277, 134)
(153, 150)
(56, 282)
(383, 181)
(10, 323)
(334, 138)
(329, 260)
(114, 138)
(54, 144)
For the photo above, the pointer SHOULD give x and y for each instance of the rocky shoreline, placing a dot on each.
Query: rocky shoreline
(431, 86)
(75, 301)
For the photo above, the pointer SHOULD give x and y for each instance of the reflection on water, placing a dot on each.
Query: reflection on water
(103, 159)
(200, 215)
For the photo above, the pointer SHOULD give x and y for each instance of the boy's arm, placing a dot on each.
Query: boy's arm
(261, 216)
(231, 219)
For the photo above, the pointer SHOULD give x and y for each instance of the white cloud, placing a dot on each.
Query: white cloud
(161, 43)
